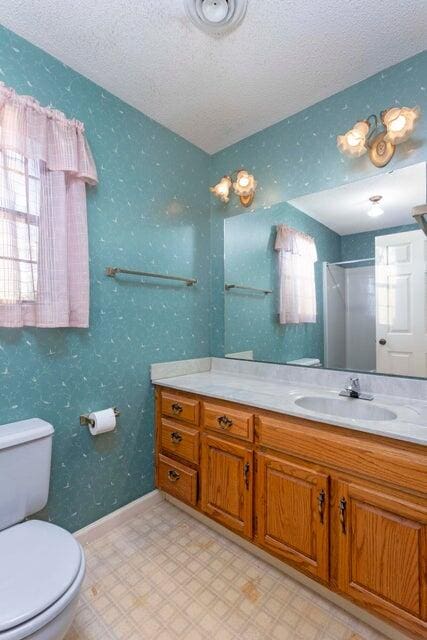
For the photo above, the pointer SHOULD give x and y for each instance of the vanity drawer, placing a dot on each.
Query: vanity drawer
(178, 480)
(338, 448)
(181, 440)
(234, 422)
(180, 407)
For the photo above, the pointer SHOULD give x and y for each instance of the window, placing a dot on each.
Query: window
(45, 164)
(19, 227)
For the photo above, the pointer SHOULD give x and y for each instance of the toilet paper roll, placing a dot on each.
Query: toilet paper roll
(103, 421)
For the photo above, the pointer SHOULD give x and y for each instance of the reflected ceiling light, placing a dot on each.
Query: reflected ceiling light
(375, 210)
(379, 137)
(244, 187)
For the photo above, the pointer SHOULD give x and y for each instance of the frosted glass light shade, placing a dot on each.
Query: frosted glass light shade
(375, 210)
(245, 184)
(222, 189)
(353, 143)
(400, 123)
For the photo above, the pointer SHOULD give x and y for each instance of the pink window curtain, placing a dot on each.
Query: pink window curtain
(297, 255)
(45, 163)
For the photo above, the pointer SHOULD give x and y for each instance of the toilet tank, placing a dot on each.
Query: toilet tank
(25, 455)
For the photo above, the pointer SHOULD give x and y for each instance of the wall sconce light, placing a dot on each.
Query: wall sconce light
(379, 137)
(243, 186)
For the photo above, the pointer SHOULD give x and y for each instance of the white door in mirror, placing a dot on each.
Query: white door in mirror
(401, 303)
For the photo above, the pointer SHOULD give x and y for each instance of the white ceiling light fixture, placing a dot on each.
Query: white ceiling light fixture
(216, 16)
(375, 210)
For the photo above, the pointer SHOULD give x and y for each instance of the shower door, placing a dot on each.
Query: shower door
(401, 305)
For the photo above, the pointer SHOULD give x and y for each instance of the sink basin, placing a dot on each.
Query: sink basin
(346, 408)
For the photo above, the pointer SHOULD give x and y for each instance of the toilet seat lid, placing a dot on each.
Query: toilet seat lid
(38, 564)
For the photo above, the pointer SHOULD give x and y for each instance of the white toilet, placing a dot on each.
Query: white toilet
(41, 565)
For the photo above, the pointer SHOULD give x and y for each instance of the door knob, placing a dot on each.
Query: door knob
(382, 341)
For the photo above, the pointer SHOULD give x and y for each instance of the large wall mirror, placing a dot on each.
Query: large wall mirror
(334, 279)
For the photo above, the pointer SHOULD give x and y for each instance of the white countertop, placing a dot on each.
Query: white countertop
(410, 424)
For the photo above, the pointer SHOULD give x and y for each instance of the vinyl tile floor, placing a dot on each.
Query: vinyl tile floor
(165, 576)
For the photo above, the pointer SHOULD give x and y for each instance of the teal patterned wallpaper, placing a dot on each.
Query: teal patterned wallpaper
(251, 321)
(299, 156)
(150, 211)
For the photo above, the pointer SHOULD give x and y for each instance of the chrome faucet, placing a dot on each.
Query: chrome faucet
(352, 390)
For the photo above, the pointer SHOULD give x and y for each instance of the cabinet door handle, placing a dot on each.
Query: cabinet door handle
(224, 422)
(321, 504)
(176, 408)
(176, 437)
(246, 470)
(342, 509)
(173, 475)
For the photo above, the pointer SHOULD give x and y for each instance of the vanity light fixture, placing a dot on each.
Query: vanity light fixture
(379, 137)
(375, 210)
(243, 186)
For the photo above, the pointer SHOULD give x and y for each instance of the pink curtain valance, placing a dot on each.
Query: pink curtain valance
(41, 133)
(296, 242)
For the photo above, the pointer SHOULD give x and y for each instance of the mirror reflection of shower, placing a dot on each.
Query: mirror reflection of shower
(349, 314)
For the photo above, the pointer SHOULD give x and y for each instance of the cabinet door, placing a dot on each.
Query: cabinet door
(382, 547)
(292, 509)
(226, 481)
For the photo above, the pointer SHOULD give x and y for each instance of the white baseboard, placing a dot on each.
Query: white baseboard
(354, 610)
(107, 523)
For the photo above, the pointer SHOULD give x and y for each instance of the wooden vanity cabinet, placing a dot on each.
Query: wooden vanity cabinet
(227, 483)
(346, 508)
(381, 542)
(292, 512)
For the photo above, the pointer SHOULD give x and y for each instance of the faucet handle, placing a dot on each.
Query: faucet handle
(354, 383)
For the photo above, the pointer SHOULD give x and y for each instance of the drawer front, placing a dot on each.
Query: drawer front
(236, 423)
(180, 440)
(180, 407)
(380, 461)
(178, 480)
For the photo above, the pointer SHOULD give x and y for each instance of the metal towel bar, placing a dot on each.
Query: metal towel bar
(241, 286)
(113, 271)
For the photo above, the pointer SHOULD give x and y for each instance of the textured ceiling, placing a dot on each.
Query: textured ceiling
(285, 56)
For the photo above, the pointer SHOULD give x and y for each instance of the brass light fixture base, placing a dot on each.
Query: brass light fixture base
(380, 150)
(246, 201)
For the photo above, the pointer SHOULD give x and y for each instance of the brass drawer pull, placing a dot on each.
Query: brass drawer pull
(246, 470)
(321, 504)
(342, 509)
(224, 422)
(176, 408)
(176, 437)
(173, 475)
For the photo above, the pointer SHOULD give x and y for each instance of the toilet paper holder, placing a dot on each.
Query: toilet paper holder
(85, 421)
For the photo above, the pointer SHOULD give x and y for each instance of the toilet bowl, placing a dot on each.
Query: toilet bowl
(43, 568)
